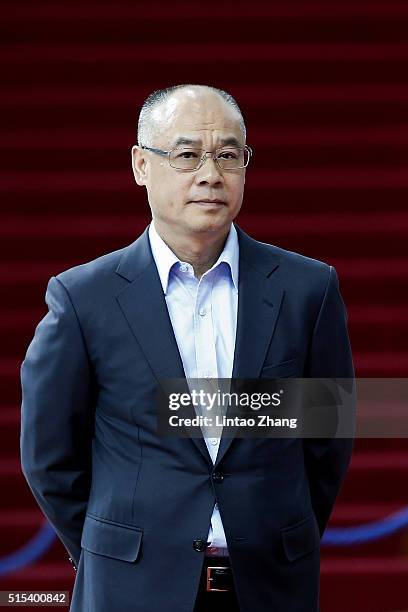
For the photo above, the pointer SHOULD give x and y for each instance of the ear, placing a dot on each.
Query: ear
(139, 165)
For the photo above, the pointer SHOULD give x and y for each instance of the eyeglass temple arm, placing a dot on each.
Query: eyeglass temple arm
(153, 150)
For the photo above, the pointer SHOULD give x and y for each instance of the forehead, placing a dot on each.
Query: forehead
(198, 117)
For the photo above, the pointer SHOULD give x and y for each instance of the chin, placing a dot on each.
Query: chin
(209, 225)
(209, 222)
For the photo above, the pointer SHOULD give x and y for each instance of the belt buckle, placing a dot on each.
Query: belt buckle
(211, 578)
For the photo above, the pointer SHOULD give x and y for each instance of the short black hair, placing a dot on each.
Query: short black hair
(157, 97)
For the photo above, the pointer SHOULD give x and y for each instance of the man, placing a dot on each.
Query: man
(145, 518)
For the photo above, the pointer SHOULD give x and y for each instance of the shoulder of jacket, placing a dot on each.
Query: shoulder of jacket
(91, 272)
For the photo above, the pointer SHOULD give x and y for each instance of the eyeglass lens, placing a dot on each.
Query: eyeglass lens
(186, 158)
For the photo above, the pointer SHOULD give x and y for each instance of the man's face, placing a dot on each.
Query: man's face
(177, 197)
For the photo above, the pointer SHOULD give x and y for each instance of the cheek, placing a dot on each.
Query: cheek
(236, 188)
(158, 180)
(169, 190)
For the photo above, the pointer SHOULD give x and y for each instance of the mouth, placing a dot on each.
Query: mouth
(208, 202)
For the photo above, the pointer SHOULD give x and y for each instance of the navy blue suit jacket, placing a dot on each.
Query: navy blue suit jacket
(126, 503)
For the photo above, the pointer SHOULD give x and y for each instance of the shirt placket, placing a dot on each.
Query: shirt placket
(206, 357)
(206, 361)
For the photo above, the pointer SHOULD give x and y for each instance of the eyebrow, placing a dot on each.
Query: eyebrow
(224, 142)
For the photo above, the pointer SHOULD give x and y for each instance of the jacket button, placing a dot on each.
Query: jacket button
(217, 477)
(199, 545)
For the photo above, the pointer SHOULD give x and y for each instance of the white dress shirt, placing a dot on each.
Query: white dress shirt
(203, 314)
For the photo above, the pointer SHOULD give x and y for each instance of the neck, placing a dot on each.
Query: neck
(200, 249)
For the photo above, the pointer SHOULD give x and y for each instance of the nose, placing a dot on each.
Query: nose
(209, 172)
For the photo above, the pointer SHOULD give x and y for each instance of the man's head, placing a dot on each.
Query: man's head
(190, 116)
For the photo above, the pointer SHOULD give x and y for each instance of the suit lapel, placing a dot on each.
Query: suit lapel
(259, 302)
(145, 309)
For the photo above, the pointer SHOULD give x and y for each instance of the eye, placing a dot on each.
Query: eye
(187, 155)
(229, 154)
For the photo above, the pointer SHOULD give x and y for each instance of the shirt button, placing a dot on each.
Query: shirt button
(183, 267)
(202, 312)
(214, 441)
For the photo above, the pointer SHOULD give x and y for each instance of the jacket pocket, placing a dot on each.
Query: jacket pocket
(282, 369)
(301, 538)
(111, 539)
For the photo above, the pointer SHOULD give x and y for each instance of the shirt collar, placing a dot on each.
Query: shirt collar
(165, 258)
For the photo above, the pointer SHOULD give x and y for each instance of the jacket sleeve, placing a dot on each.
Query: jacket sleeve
(327, 459)
(58, 391)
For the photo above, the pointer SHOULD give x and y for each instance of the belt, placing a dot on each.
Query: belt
(217, 575)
